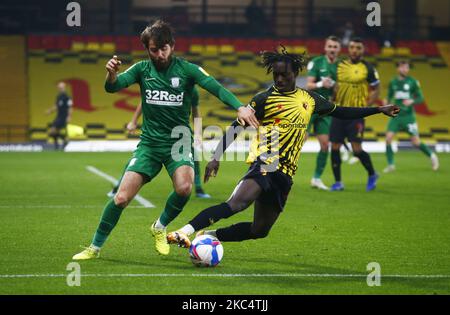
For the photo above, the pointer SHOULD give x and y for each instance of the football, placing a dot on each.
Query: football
(206, 251)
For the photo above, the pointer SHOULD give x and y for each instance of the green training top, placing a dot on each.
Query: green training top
(399, 90)
(319, 67)
(167, 96)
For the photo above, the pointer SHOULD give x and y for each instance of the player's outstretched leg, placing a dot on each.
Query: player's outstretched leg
(336, 166)
(244, 194)
(321, 162)
(114, 190)
(389, 153)
(199, 192)
(129, 187)
(182, 180)
(427, 151)
(264, 217)
(366, 161)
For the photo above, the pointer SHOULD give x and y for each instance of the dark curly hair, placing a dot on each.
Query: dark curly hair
(297, 61)
(161, 32)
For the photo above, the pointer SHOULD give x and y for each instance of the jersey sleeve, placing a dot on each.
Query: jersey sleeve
(373, 77)
(195, 97)
(312, 69)
(202, 78)
(125, 79)
(417, 93)
(257, 103)
(322, 105)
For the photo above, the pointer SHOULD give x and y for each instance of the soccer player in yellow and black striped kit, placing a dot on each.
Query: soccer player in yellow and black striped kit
(283, 112)
(354, 77)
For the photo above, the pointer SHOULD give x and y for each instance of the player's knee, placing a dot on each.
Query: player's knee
(389, 138)
(335, 146)
(415, 141)
(121, 199)
(324, 146)
(358, 153)
(260, 232)
(237, 205)
(184, 189)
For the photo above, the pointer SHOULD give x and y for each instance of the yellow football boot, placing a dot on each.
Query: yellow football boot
(161, 245)
(87, 253)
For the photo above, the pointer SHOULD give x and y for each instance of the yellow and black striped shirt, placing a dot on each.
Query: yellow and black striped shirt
(353, 80)
(284, 119)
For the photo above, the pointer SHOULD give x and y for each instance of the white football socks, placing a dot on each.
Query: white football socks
(159, 225)
(187, 229)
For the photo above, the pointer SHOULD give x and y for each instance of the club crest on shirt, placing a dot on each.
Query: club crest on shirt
(175, 82)
(305, 105)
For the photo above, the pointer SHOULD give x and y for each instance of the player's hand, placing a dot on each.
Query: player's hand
(246, 115)
(131, 127)
(113, 65)
(211, 170)
(408, 102)
(327, 83)
(390, 110)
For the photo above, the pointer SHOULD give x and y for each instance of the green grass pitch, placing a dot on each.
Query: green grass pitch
(50, 205)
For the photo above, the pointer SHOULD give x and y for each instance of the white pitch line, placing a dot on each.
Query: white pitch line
(57, 206)
(109, 178)
(223, 275)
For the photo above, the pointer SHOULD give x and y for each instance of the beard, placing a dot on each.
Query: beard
(162, 64)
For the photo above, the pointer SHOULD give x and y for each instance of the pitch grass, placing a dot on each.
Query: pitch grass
(50, 205)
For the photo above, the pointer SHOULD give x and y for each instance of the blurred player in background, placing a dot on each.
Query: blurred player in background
(354, 77)
(321, 79)
(273, 155)
(405, 92)
(63, 108)
(132, 126)
(166, 84)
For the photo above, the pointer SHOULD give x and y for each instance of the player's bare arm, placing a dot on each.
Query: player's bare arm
(213, 166)
(374, 93)
(51, 110)
(247, 116)
(132, 125)
(69, 115)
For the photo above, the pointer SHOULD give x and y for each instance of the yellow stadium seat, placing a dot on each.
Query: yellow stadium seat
(299, 49)
(211, 50)
(78, 46)
(196, 49)
(387, 51)
(107, 47)
(288, 48)
(226, 49)
(403, 51)
(93, 46)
